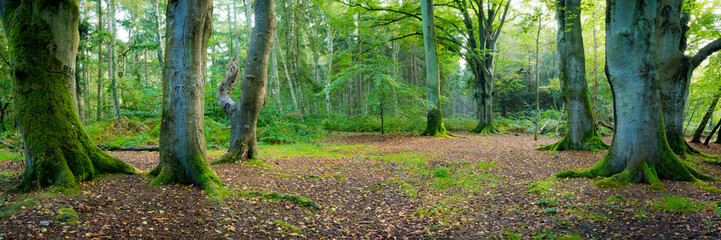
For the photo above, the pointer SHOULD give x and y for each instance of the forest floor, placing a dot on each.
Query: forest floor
(365, 186)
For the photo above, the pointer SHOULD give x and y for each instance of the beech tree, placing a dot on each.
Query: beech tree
(182, 141)
(43, 39)
(640, 151)
(434, 122)
(244, 114)
(581, 133)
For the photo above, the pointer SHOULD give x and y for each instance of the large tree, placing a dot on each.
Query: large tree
(244, 114)
(434, 121)
(182, 141)
(43, 38)
(581, 133)
(640, 151)
(676, 70)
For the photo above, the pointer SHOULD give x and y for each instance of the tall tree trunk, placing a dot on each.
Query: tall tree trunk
(99, 107)
(483, 61)
(111, 62)
(182, 141)
(434, 121)
(156, 17)
(329, 74)
(581, 133)
(706, 117)
(244, 114)
(275, 85)
(538, 79)
(640, 150)
(287, 77)
(57, 151)
(79, 86)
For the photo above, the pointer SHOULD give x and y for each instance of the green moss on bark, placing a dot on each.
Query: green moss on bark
(434, 125)
(591, 142)
(59, 152)
(485, 129)
(195, 171)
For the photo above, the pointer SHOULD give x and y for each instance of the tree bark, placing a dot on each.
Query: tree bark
(640, 150)
(99, 107)
(43, 39)
(434, 121)
(111, 62)
(329, 74)
(482, 62)
(287, 77)
(182, 141)
(581, 133)
(244, 114)
(710, 135)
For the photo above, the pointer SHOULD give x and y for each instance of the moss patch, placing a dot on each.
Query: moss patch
(67, 215)
(297, 200)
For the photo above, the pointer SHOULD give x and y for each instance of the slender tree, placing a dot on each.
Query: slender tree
(244, 114)
(111, 62)
(182, 140)
(43, 38)
(434, 121)
(99, 106)
(581, 133)
(640, 150)
(706, 117)
(156, 18)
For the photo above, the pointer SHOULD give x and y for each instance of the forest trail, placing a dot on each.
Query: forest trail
(369, 187)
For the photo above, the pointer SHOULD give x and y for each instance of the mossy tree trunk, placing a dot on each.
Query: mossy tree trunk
(490, 22)
(244, 114)
(111, 62)
(640, 150)
(434, 122)
(43, 38)
(675, 72)
(581, 133)
(182, 140)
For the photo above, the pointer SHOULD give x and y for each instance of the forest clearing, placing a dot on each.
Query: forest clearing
(367, 186)
(360, 119)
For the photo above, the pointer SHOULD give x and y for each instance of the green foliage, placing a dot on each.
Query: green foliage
(680, 204)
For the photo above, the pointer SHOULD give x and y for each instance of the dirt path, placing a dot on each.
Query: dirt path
(370, 187)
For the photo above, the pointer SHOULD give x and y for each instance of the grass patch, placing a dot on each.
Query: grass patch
(297, 200)
(67, 215)
(325, 150)
(680, 205)
(9, 209)
(542, 186)
(287, 226)
(408, 189)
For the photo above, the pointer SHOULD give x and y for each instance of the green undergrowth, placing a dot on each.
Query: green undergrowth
(67, 214)
(10, 209)
(676, 204)
(287, 227)
(297, 200)
(322, 150)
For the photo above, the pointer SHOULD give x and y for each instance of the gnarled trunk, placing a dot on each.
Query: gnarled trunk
(182, 141)
(581, 133)
(43, 38)
(244, 114)
(640, 150)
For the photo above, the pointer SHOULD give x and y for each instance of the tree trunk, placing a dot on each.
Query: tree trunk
(276, 78)
(434, 121)
(640, 151)
(111, 62)
(58, 151)
(244, 114)
(329, 74)
(483, 62)
(156, 17)
(182, 141)
(710, 135)
(79, 86)
(581, 133)
(706, 117)
(99, 107)
(538, 80)
(287, 77)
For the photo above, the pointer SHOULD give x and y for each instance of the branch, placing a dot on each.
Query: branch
(706, 51)
(223, 95)
(130, 149)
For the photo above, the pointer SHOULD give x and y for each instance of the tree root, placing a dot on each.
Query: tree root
(486, 129)
(592, 143)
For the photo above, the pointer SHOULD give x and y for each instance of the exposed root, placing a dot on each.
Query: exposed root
(486, 129)
(592, 143)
